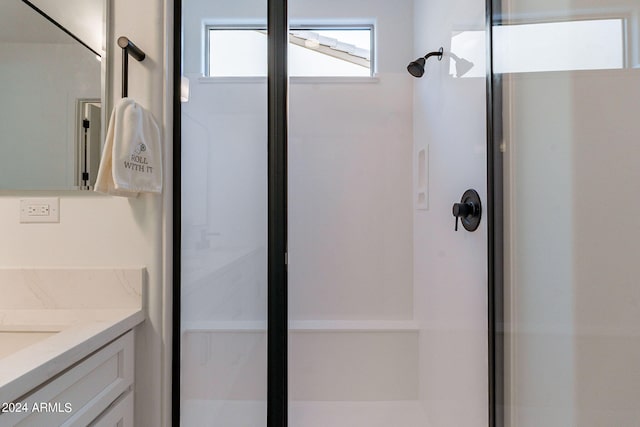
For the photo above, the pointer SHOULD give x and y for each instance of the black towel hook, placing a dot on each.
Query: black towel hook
(128, 48)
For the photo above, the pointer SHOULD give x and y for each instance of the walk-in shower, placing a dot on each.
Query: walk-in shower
(358, 338)
(374, 289)
(372, 311)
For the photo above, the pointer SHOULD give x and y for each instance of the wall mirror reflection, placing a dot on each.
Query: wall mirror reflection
(52, 76)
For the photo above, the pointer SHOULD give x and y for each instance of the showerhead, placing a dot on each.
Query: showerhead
(416, 68)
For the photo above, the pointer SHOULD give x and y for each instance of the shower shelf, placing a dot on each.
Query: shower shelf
(347, 361)
(224, 326)
(353, 325)
(306, 326)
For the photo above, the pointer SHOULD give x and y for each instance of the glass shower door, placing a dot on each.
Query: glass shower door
(224, 210)
(570, 88)
(387, 301)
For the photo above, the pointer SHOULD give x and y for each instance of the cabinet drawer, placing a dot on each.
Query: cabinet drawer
(120, 414)
(79, 395)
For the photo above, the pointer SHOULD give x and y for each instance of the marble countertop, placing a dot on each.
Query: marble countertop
(71, 312)
(85, 332)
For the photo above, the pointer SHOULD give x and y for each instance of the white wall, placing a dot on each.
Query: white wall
(105, 231)
(450, 268)
(350, 224)
(41, 84)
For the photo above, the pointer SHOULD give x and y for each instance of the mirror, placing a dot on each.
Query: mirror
(52, 75)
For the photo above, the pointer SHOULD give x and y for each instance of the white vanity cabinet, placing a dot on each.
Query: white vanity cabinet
(120, 414)
(96, 391)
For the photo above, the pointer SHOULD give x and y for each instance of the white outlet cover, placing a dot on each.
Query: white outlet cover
(40, 205)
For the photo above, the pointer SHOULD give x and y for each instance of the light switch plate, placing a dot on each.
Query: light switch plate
(39, 210)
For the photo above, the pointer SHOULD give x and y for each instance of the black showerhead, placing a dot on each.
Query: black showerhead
(416, 68)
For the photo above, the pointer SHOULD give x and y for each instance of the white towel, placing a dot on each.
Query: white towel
(131, 160)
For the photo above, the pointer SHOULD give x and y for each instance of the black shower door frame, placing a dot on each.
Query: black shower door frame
(495, 225)
(277, 304)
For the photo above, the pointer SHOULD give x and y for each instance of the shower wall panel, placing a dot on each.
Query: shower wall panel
(450, 268)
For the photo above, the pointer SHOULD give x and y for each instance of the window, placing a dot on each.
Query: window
(313, 51)
(596, 44)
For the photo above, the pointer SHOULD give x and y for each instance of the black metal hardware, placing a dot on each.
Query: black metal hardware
(176, 259)
(438, 53)
(469, 210)
(495, 225)
(277, 285)
(128, 48)
(416, 68)
(85, 161)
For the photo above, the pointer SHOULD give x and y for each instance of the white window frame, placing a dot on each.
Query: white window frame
(297, 27)
(630, 50)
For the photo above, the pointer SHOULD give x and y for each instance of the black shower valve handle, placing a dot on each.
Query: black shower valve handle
(462, 210)
(469, 211)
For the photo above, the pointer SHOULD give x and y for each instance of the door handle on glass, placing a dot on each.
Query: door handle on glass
(469, 210)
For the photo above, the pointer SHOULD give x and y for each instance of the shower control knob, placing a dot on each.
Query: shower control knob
(469, 210)
(462, 209)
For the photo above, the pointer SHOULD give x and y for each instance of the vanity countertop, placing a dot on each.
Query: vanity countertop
(74, 335)
(51, 319)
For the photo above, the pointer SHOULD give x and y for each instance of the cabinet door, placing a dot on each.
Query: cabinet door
(83, 392)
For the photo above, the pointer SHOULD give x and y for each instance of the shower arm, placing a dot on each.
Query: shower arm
(437, 53)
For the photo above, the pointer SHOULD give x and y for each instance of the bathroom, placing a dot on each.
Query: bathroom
(529, 324)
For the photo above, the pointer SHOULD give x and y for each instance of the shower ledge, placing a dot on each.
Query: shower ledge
(346, 361)
(305, 326)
